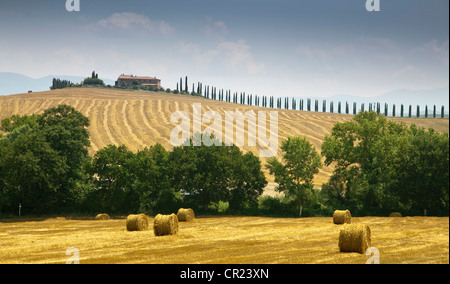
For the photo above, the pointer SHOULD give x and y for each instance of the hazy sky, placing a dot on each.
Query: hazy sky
(264, 47)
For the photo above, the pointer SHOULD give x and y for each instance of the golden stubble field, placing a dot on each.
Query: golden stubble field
(140, 119)
(222, 240)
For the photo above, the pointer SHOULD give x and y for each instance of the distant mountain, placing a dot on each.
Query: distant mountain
(438, 97)
(13, 83)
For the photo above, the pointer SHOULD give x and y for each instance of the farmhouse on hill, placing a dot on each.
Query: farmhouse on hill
(130, 80)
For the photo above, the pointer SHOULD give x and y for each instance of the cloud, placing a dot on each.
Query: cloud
(238, 54)
(433, 50)
(235, 55)
(311, 52)
(407, 72)
(217, 28)
(129, 22)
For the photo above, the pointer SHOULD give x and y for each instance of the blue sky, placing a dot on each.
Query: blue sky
(314, 48)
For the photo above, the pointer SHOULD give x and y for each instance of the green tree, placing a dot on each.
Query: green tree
(356, 149)
(209, 174)
(247, 180)
(114, 178)
(200, 172)
(381, 166)
(295, 174)
(31, 172)
(15, 121)
(65, 129)
(153, 181)
(424, 176)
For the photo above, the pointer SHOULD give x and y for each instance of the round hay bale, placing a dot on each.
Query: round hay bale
(102, 216)
(137, 222)
(185, 214)
(395, 214)
(165, 225)
(354, 238)
(341, 217)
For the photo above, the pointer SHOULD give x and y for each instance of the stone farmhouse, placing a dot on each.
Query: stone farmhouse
(130, 80)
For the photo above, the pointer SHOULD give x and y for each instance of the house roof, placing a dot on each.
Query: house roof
(131, 77)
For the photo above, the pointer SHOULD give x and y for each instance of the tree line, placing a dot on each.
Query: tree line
(45, 167)
(379, 166)
(306, 104)
(93, 80)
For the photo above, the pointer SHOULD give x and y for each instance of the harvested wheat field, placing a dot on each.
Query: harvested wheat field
(139, 119)
(222, 240)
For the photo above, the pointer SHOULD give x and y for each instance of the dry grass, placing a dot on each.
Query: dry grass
(226, 240)
(140, 119)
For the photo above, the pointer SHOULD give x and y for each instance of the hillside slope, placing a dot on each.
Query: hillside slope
(140, 119)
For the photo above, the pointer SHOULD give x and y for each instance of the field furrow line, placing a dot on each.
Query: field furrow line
(153, 132)
(125, 115)
(137, 123)
(31, 106)
(160, 120)
(95, 125)
(106, 124)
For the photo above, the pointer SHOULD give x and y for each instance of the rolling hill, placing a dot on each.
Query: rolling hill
(139, 119)
(13, 83)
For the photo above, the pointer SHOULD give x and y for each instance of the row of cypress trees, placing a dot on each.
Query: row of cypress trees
(213, 93)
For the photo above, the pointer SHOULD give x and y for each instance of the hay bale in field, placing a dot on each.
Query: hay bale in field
(102, 216)
(165, 225)
(395, 214)
(185, 214)
(137, 222)
(342, 216)
(354, 238)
